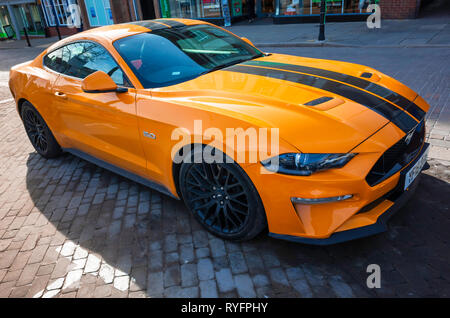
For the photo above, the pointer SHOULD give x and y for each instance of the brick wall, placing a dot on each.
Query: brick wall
(122, 11)
(62, 30)
(399, 9)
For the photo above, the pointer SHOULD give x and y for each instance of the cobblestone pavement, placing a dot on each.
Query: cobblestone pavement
(71, 229)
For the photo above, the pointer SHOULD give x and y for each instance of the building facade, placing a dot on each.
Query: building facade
(44, 17)
(18, 16)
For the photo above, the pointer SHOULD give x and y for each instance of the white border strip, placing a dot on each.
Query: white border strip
(6, 100)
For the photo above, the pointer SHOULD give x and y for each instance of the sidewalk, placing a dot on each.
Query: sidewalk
(423, 32)
(42, 43)
(431, 29)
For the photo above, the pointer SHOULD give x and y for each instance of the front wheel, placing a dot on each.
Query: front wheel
(223, 199)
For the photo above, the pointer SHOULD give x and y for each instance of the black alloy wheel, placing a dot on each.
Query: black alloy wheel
(223, 199)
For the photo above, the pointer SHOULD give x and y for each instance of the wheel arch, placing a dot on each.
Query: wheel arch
(20, 103)
(184, 151)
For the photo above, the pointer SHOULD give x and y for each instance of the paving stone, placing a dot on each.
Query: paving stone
(155, 284)
(92, 264)
(217, 247)
(106, 272)
(237, 263)
(122, 282)
(244, 286)
(51, 293)
(260, 280)
(102, 291)
(340, 288)
(7, 258)
(72, 280)
(38, 254)
(45, 269)
(208, 289)
(172, 275)
(189, 275)
(187, 253)
(205, 269)
(20, 292)
(225, 280)
(28, 274)
(55, 284)
(202, 252)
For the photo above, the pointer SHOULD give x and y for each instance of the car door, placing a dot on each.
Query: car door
(103, 125)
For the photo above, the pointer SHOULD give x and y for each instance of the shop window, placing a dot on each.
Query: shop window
(55, 11)
(28, 17)
(190, 9)
(99, 12)
(312, 7)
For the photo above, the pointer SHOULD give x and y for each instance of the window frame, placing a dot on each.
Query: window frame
(78, 78)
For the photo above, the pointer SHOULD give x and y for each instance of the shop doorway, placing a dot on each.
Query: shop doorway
(265, 8)
(148, 9)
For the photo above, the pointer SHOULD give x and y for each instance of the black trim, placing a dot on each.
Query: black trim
(359, 82)
(171, 23)
(117, 90)
(398, 156)
(375, 103)
(397, 195)
(124, 173)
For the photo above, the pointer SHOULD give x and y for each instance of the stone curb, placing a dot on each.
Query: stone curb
(337, 44)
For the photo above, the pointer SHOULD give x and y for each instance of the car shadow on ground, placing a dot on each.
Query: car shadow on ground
(147, 236)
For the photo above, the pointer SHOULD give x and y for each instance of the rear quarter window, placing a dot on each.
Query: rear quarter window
(53, 61)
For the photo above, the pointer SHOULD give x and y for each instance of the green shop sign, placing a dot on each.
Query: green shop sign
(165, 8)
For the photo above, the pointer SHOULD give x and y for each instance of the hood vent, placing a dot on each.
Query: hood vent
(325, 103)
(319, 101)
(374, 77)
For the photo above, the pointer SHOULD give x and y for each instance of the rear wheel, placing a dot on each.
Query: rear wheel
(223, 199)
(38, 132)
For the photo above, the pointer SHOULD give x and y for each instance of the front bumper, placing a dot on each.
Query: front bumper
(397, 196)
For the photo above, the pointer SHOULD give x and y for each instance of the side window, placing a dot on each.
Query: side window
(54, 61)
(81, 59)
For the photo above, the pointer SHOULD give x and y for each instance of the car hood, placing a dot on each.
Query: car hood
(316, 104)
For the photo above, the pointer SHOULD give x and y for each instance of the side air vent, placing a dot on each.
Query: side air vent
(366, 75)
(319, 101)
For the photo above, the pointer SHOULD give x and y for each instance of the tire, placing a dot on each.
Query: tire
(223, 199)
(38, 132)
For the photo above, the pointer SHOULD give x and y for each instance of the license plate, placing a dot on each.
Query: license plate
(415, 170)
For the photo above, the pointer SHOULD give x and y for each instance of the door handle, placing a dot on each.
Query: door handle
(61, 95)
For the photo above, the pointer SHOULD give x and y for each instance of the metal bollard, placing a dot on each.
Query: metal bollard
(322, 20)
(26, 37)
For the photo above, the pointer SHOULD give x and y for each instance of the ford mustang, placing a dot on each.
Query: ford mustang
(148, 99)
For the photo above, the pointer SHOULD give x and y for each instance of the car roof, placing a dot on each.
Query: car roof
(110, 33)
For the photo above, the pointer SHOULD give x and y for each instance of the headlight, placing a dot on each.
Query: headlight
(304, 164)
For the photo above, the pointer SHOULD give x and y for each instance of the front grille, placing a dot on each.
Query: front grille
(398, 156)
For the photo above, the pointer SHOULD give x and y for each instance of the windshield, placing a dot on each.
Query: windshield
(174, 55)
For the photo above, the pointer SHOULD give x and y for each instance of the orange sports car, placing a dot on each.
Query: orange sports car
(326, 151)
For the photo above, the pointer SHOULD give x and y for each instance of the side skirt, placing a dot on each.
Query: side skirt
(122, 172)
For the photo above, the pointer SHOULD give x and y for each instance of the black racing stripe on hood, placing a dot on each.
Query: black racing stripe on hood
(376, 89)
(385, 109)
(171, 23)
(150, 25)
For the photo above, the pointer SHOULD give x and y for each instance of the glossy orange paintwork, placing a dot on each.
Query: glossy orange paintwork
(98, 81)
(110, 126)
